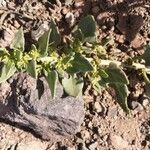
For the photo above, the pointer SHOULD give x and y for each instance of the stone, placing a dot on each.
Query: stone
(90, 125)
(64, 11)
(112, 111)
(78, 3)
(93, 146)
(129, 25)
(103, 18)
(31, 145)
(85, 134)
(98, 107)
(120, 39)
(3, 3)
(36, 34)
(81, 146)
(137, 107)
(95, 10)
(137, 42)
(6, 36)
(68, 2)
(70, 19)
(118, 142)
(134, 104)
(145, 102)
(28, 104)
(105, 4)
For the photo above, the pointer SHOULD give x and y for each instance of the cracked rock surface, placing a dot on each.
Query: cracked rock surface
(28, 103)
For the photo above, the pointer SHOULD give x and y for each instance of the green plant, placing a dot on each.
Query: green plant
(83, 59)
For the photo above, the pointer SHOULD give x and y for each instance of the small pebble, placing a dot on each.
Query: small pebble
(85, 134)
(112, 112)
(70, 19)
(64, 11)
(95, 10)
(137, 107)
(98, 107)
(145, 102)
(120, 38)
(93, 146)
(90, 124)
(35, 34)
(78, 3)
(118, 142)
(95, 136)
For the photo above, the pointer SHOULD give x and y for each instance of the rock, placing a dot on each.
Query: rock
(31, 145)
(93, 146)
(65, 11)
(105, 4)
(71, 148)
(95, 10)
(28, 103)
(70, 19)
(78, 3)
(118, 142)
(137, 107)
(95, 136)
(101, 18)
(112, 112)
(137, 42)
(35, 34)
(120, 39)
(134, 104)
(98, 107)
(90, 125)
(129, 25)
(145, 102)
(4, 90)
(2, 3)
(6, 37)
(81, 146)
(68, 2)
(85, 134)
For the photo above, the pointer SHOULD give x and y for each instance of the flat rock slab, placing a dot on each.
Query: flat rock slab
(28, 103)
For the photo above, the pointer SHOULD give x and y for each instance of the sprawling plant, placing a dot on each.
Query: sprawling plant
(82, 59)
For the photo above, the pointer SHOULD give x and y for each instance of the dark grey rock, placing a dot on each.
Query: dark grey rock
(28, 103)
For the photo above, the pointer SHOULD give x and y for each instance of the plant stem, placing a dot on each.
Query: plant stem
(135, 66)
(146, 79)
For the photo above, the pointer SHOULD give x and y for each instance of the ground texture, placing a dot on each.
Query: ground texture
(106, 126)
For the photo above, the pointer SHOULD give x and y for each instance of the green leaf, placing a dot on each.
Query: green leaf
(115, 75)
(68, 58)
(118, 80)
(72, 86)
(79, 64)
(78, 35)
(43, 43)
(146, 55)
(31, 68)
(3, 51)
(122, 94)
(103, 73)
(88, 27)
(55, 38)
(6, 71)
(18, 42)
(52, 78)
